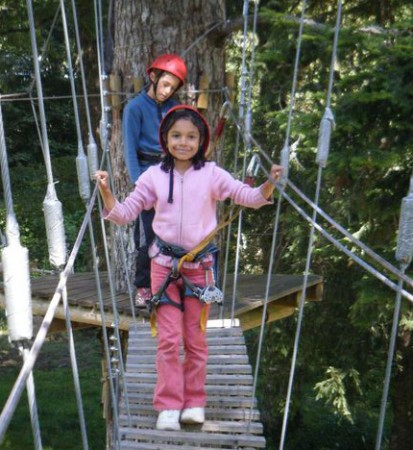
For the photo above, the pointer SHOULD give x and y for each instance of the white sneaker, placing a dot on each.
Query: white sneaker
(168, 420)
(193, 415)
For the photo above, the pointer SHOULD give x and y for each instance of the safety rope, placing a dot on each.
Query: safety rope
(16, 276)
(81, 160)
(92, 149)
(31, 397)
(75, 370)
(404, 254)
(51, 205)
(242, 117)
(104, 135)
(323, 147)
(15, 393)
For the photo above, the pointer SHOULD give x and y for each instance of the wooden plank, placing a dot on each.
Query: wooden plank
(211, 368)
(136, 398)
(233, 441)
(210, 426)
(244, 414)
(146, 358)
(212, 390)
(137, 350)
(140, 330)
(213, 378)
(134, 445)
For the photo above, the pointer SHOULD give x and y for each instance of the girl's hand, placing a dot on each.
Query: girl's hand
(268, 188)
(276, 171)
(102, 178)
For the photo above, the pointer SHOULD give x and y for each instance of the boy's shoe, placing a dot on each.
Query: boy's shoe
(168, 420)
(193, 415)
(142, 297)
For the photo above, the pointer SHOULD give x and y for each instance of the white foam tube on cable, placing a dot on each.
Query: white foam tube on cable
(56, 239)
(83, 176)
(92, 157)
(17, 292)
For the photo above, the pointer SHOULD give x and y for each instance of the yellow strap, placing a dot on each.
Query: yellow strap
(153, 323)
(190, 256)
(204, 318)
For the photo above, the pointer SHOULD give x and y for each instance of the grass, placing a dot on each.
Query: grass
(55, 394)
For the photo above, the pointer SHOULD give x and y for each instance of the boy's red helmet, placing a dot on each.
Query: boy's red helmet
(193, 111)
(172, 63)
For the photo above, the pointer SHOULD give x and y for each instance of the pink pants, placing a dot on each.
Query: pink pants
(180, 383)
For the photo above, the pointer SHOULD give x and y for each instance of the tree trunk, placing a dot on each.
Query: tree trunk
(142, 31)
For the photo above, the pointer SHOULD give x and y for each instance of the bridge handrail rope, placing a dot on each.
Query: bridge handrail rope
(244, 130)
(376, 257)
(69, 330)
(15, 393)
(348, 235)
(15, 260)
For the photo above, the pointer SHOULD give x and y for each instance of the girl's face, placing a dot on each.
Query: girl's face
(183, 140)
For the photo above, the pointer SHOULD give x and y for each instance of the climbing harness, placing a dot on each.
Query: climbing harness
(206, 295)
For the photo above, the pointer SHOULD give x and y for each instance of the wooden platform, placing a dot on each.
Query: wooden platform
(232, 418)
(284, 297)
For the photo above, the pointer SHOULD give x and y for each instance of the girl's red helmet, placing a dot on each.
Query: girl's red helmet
(172, 63)
(168, 121)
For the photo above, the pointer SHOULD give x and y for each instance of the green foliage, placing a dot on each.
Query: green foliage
(333, 390)
(55, 395)
(344, 341)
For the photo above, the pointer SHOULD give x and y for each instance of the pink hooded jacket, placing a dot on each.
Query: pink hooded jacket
(193, 213)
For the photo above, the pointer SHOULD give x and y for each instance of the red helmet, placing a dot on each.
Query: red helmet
(171, 63)
(193, 112)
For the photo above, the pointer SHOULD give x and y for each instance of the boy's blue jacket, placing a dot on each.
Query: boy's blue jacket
(140, 125)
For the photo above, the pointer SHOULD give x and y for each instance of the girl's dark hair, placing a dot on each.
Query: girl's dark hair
(199, 158)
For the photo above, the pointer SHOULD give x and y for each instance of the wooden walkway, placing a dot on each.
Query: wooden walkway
(284, 297)
(232, 419)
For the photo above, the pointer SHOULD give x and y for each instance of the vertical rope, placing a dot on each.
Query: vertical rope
(15, 258)
(241, 117)
(81, 160)
(51, 205)
(92, 150)
(285, 152)
(75, 370)
(15, 393)
(31, 397)
(322, 164)
(404, 254)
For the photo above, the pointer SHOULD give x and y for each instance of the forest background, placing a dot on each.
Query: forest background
(344, 343)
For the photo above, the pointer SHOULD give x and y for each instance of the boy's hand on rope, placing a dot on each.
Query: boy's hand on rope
(268, 187)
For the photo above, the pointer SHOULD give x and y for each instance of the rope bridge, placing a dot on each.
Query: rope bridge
(232, 414)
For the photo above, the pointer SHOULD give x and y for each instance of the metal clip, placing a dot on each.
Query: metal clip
(253, 166)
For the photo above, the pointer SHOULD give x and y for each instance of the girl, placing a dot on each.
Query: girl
(184, 190)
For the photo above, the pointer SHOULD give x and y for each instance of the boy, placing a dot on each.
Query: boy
(140, 123)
